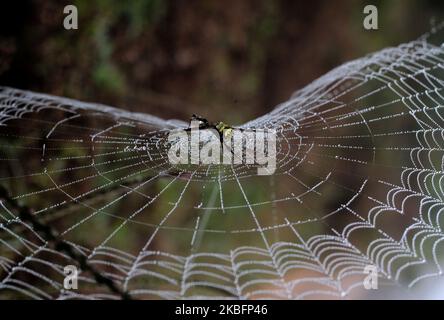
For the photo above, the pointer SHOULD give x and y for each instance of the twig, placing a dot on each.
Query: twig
(52, 236)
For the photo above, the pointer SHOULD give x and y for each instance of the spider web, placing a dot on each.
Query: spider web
(359, 182)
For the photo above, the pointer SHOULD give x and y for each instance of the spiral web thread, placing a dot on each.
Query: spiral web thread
(359, 182)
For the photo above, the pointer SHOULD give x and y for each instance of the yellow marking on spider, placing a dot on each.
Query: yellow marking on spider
(228, 132)
(224, 129)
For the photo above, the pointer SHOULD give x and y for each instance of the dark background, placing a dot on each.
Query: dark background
(175, 58)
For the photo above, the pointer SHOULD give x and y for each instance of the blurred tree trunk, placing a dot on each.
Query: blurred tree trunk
(306, 45)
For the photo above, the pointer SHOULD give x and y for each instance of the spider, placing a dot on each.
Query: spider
(224, 130)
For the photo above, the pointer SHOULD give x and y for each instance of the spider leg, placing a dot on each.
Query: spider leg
(245, 129)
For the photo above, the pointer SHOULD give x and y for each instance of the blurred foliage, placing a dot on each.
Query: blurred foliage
(174, 58)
